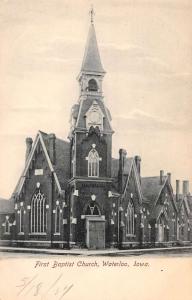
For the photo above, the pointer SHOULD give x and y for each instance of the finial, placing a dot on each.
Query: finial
(92, 13)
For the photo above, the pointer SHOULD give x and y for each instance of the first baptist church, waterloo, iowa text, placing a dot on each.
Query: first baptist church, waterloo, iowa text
(74, 194)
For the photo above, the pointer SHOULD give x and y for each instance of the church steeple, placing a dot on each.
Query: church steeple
(92, 61)
(92, 72)
(90, 119)
(91, 112)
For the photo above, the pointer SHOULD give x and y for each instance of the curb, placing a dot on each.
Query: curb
(93, 252)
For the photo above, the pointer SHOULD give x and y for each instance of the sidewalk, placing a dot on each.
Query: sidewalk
(85, 252)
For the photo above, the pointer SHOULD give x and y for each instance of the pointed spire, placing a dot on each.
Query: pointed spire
(92, 60)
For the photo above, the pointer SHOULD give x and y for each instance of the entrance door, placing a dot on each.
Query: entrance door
(95, 233)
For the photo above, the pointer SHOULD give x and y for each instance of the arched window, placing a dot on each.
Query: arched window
(57, 220)
(7, 226)
(92, 210)
(92, 85)
(93, 163)
(38, 213)
(161, 229)
(175, 228)
(21, 220)
(130, 224)
(182, 227)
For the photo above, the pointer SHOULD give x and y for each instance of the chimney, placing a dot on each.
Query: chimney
(161, 176)
(138, 165)
(29, 143)
(122, 157)
(177, 189)
(185, 187)
(52, 138)
(169, 177)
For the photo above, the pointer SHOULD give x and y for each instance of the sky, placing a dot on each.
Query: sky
(146, 50)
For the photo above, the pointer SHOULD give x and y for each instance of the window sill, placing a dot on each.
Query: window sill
(6, 233)
(57, 233)
(20, 233)
(38, 233)
(130, 235)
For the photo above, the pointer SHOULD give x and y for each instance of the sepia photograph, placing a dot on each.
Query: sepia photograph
(96, 140)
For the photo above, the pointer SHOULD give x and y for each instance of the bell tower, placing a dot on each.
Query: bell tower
(90, 118)
(91, 151)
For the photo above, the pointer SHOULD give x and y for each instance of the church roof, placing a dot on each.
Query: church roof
(92, 60)
(151, 188)
(62, 162)
(156, 212)
(128, 165)
(6, 206)
(114, 167)
(60, 169)
(189, 199)
(183, 199)
(130, 170)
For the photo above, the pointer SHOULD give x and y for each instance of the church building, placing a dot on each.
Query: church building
(75, 194)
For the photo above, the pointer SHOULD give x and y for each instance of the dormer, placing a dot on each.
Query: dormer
(94, 117)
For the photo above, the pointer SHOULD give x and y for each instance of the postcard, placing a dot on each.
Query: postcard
(96, 139)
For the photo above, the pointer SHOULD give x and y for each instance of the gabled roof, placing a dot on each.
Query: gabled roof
(92, 61)
(129, 166)
(183, 199)
(61, 168)
(151, 188)
(6, 206)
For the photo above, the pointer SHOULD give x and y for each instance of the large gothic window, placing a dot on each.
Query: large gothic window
(57, 220)
(38, 213)
(92, 85)
(130, 224)
(93, 163)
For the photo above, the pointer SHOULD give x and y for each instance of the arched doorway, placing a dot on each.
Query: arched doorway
(94, 226)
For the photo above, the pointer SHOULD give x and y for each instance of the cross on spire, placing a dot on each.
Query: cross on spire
(92, 13)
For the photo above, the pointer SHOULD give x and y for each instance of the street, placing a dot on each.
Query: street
(156, 253)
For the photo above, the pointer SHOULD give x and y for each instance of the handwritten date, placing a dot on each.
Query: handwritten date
(34, 286)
